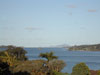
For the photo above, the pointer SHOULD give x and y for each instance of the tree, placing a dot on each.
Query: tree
(34, 67)
(80, 69)
(18, 52)
(48, 56)
(56, 65)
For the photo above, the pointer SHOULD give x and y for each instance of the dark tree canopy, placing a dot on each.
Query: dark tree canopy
(48, 56)
(18, 52)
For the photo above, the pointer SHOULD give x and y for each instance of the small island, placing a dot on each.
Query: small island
(95, 47)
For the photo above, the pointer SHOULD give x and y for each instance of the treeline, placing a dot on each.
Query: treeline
(4, 46)
(14, 62)
(86, 47)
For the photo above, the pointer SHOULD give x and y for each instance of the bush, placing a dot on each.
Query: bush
(59, 73)
(98, 73)
(56, 73)
(33, 67)
(56, 65)
(80, 69)
(93, 72)
(4, 68)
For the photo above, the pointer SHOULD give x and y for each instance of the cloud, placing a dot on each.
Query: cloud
(71, 6)
(83, 28)
(6, 28)
(92, 10)
(70, 13)
(32, 28)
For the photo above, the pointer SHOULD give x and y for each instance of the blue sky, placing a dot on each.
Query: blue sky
(43, 23)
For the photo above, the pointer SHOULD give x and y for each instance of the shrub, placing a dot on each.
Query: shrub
(98, 72)
(4, 68)
(56, 65)
(93, 72)
(80, 69)
(33, 67)
(59, 73)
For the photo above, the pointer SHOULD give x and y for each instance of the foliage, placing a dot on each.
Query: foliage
(40, 67)
(95, 47)
(98, 72)
(4, 68)
(80, 69)
(33, 67)
(18, 52)
(8, 59)
(59, 73)
(56, 65)
(48, 56)
(93, 72)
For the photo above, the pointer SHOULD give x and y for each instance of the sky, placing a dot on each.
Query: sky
(44, 23)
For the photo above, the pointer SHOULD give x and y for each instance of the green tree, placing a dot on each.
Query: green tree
(80, 69)
(18, 52)
(48, 56)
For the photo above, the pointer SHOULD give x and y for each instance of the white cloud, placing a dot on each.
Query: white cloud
(92, 10)
(71, 6)
(32, 28)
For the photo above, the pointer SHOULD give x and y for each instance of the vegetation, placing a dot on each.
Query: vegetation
(86, 47)
(11, 60)
(32, 67)
(17, 52)
(40, 67)
(59, 73)
(48, 56)
(98, 73)
(80, 69)
(15, 63)
(56, 65)
(4, 68)
(94, 72)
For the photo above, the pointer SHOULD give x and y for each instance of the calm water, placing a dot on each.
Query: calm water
(92, 59)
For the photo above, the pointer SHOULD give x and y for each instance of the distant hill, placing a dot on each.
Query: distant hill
(95, 47)
(61, 46)
(3, 46)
